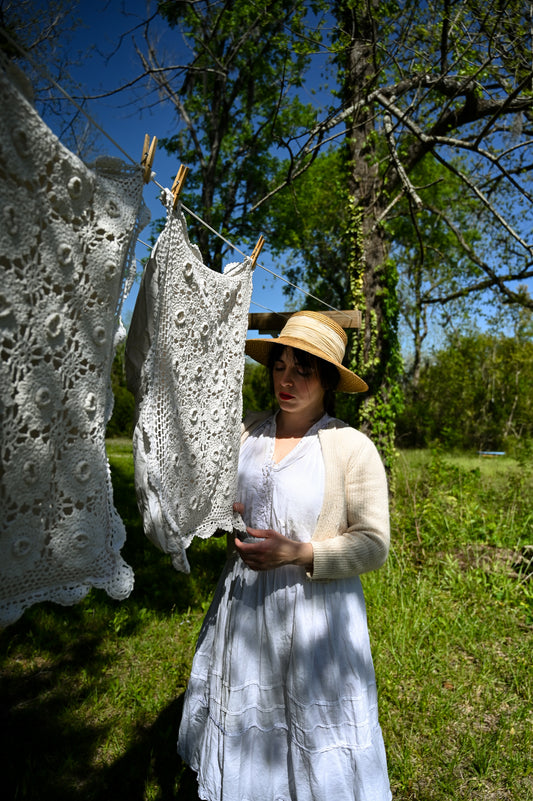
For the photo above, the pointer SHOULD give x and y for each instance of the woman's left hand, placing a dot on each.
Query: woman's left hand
(272, 549)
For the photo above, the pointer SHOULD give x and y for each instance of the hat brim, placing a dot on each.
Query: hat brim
(259, 350)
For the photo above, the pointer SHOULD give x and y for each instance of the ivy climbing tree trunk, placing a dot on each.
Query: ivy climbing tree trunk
(373, 277)
(434, 180)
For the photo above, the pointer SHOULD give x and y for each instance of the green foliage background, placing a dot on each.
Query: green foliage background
(473, 394)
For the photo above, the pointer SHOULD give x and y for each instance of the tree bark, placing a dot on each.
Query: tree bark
(373, 278)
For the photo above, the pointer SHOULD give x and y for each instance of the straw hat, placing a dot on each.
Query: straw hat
(314, 333)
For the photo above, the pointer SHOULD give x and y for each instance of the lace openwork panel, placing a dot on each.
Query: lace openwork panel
(65, 243)
(185, 362)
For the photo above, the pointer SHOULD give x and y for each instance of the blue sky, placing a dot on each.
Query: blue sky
(106, 61)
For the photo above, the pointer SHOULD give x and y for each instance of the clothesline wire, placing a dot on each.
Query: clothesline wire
(271, 272)
(261, 266)
(265, 308)
(45, 74)
(254, 302)
(234, 247)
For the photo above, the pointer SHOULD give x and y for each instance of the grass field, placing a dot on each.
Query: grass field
(91, 694)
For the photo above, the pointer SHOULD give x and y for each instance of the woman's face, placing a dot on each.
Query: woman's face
(298, 389)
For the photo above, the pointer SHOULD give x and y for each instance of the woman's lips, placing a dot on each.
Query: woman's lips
(285, 396)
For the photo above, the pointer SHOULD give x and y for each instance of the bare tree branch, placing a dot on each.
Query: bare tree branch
(493, 279)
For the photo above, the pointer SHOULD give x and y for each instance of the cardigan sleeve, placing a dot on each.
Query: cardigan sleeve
(353, 532)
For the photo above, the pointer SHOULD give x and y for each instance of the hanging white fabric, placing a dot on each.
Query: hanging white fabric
(185, 365)
(66, 243)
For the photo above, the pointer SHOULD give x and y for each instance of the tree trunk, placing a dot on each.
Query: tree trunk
(373, 279)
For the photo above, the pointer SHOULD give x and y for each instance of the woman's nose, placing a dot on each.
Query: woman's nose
(286, 378)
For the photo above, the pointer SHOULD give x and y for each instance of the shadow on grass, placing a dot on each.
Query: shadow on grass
(153, 761)
(54, 663)
(54, 715)
(35, 733)
(36, 739)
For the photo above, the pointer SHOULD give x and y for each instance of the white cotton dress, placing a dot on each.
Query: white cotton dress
(281, 704)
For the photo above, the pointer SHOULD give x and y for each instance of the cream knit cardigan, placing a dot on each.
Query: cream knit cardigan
(352, 535)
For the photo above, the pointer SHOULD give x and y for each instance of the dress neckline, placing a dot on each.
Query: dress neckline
(311, 431)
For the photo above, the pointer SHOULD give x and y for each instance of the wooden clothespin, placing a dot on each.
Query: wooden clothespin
(148, 154)
(257, 250)
(179, 180)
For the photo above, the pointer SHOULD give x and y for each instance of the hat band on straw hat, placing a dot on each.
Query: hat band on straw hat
(313, 331)
(316, 334)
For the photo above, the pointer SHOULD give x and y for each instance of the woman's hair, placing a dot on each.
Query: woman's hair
(328, 374)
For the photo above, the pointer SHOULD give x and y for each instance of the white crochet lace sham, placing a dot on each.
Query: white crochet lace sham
(185, 360)
(65, 245)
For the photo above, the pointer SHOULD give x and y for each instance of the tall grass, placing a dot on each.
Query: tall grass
(91, 694)
(451, 621)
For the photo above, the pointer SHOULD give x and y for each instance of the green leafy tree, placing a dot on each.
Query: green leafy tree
(237, 104)
(317, 202)
(431, 263)
(256, 392)
(444, 82)
(475, 393)
(305, 222)
(122, 420)
(449, 83)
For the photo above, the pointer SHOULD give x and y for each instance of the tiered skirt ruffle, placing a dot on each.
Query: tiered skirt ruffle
(281, 704)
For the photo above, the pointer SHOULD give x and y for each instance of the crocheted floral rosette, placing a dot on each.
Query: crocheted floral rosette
(65, 245)
(186, 442)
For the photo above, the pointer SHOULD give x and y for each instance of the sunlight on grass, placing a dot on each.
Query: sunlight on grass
(93, 693)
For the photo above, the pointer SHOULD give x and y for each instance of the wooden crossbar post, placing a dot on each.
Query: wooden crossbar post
(273, 322)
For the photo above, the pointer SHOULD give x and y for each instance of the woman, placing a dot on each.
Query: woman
(281, 703)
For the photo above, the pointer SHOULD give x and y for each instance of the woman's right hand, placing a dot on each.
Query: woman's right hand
(269, 549)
